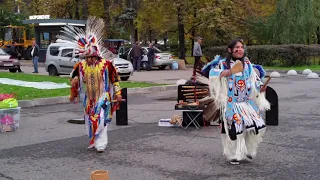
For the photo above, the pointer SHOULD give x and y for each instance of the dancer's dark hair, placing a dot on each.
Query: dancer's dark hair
(231, 45)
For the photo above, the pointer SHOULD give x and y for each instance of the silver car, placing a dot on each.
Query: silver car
(59, 61)
(8, 64)
(161, 60)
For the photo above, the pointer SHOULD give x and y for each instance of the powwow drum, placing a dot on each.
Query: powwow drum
(99, 175)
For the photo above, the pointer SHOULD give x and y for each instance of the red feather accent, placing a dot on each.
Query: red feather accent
(93, 40)
(82, 42)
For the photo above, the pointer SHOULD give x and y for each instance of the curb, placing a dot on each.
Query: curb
(29, 64)
(65, 99)
(285, 71)
(267, 70)
(41, 64)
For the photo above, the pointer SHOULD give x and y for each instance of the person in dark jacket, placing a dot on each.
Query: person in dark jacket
(14, 53)
(136, 54)
(35, 56)
(151, 54)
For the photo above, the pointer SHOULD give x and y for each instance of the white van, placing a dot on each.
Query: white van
(59, 61)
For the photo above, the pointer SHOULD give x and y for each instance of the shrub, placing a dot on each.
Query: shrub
(274, 55)
(174, 49)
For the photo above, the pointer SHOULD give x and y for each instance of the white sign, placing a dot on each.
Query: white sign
(39, 17)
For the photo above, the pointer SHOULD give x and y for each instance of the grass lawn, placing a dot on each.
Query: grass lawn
(25, 93)
(190, 60)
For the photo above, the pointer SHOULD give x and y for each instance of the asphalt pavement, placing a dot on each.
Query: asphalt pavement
(48, 147)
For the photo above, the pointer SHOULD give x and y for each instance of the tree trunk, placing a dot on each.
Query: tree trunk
(69, 11)
(77, 9)
(130, 4)
(136, 34)
(106, 4)
(193, 32)
(165, 40)
(318, 35)
(131, 26)
(150, 35)
(182, 54)
(145, 35)
(136, 38)
(85, 9)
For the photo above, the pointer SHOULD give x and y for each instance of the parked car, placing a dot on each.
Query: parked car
(162, 60)
(8, 64)
(59, 61)
(124, 68)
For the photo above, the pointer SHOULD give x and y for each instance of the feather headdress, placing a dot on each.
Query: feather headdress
(88, 42)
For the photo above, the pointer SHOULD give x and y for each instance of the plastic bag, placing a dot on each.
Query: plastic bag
(6, 96)
(8, 103)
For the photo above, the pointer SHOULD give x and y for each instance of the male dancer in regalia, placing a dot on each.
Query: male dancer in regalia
(95, 76)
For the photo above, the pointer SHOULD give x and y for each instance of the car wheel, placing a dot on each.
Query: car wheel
(144, 65)
(125, 78)
(13, 70)
(52, 71)
(162, 67)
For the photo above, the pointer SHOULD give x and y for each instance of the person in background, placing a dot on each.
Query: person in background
(136, 54)
(150, 55)
(14, 54)
(197, 53)
(35, 56)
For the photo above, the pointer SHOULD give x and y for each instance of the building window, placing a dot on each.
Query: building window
(44, 39)
(53, 37)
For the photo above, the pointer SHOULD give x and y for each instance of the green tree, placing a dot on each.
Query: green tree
(316, 6)
(37, 7)
(150, 24)
(293, 22)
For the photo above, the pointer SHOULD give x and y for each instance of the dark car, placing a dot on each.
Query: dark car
(8, 64)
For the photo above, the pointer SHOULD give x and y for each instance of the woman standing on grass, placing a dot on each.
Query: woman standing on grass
(239, 94)
(97, 77)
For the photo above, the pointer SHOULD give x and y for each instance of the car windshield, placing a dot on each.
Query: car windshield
(156, 50)
(2, 52)
(127, 51)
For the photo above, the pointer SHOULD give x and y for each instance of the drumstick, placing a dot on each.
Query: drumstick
(188, 94)
(191, 90)
(265, 84)
(188, 87)
(190, 97)
(114, 101)
(195, 87)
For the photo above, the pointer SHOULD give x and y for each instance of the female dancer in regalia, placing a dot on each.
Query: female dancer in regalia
(236, 85)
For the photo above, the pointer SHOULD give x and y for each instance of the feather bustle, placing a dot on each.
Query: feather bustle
(78, 38)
